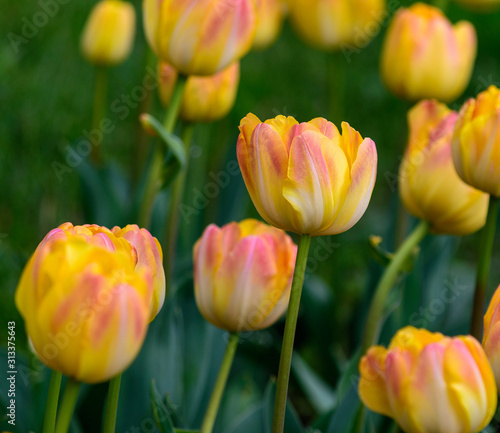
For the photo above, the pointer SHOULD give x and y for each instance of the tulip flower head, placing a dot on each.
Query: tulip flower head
(109, 32)
(270, 21)
(206, 98)
(202, 37)
(243, 275)
(337, 24)
(476, 142)
(428, 183)
(429, 383)
(491, 335)
(87, 296)
(425, 56)
(307, 178)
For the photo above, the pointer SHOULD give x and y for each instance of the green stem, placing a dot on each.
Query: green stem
(372, 326)
(154, 181)
(483, 268)
(49, 422)
(289, 335)
(171, 232)
(220, 384)
(112, 404)
(67, 406)
(99, 110)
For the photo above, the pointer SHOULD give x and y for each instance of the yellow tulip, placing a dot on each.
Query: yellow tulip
(203, 37)
(306, 178)
(429, 185)
(491, 335)
(270, 21)
(87, 296)
(425, 56)
(430, 383)
(109, 32)
(333, 24)
(476, 142)
(243, 275)
(206, 98)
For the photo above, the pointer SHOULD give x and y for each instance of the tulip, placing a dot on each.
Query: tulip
(333, 24)
(243, 275)
(270, 21)
(109, 32)
(476, 142)
(86, 296)
(491, 335)
(306, 178)
(205, 99)
(429, 185)
(202, 37)
(425, 56)
(430, 383)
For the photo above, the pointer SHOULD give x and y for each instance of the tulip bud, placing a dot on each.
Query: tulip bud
(109, 32)
(243, 275)
(270, 21)
(87, 295)
(425, 56)
(491, 335)
(203, 37)
(334, 24)
(306, 178)
(430, 383)
(476, 142)
(206, 98)
(429, 185)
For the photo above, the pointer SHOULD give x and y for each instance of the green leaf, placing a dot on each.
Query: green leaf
(344, 418)
(160, 411)
(171, 141)
(292, 422)
(384, 257)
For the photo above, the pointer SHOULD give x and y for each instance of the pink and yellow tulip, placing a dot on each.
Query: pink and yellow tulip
(109, 32)
(430, 383)
(334, 24)
(200, 38)
(307, 178)
(206, 98)
(243, 275)
(425, 56)
(491, 335)
(476, 142)
(428, 183)
(87, 296)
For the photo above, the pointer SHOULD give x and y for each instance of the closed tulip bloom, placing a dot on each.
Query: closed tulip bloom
(109, 32)
(476, 142)
(270, 21)
(202, 37)
(430, 383)
(243, 275)
(85, 296)
(307, 178)
(425, 56)
(205, 98)
(428, 183)
(491, 335)
(334, 24)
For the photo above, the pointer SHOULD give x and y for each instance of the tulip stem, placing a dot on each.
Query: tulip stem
(483, 267)
(99, 110)
(68, 405)
(171, 231)
(49, 422)
(154, 180)
(373, 325)
(112, 404)
(220, 384)
(289, 335)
